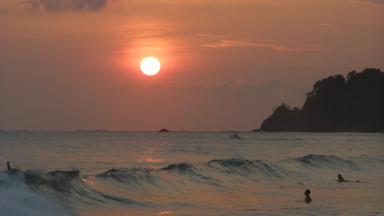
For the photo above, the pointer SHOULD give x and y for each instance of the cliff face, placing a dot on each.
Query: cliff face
(354, 103)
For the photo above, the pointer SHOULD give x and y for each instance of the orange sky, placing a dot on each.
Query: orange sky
(225, 63)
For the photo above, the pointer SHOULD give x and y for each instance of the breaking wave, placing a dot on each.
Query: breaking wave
(216, 172)
(37, 192)
(246, 167)
(18, 199)
(327, 161)
(65, 186)
(133, 177)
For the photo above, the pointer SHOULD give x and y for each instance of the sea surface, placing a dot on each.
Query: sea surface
(96, 173)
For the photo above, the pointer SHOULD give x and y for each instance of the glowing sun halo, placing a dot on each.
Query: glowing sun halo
(150, 66)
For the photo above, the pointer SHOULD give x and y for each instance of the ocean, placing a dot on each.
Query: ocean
(117, 173)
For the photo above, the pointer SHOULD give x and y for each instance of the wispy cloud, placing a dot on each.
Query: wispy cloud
(373, 1)
(62, 5)
(283, 46)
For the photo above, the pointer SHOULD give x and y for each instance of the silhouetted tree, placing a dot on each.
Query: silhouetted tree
(355, 103)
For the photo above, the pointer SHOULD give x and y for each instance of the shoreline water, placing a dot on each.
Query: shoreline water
(148, 173)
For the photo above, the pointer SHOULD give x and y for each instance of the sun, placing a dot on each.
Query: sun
(150, 66)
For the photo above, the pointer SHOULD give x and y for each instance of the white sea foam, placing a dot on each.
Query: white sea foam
(16, 199)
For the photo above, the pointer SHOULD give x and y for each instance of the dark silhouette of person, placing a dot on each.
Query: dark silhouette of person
(340, 178)
(9, 168)
(235, 136)
(308, 198)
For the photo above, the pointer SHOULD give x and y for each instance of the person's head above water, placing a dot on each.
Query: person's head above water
(307, 192)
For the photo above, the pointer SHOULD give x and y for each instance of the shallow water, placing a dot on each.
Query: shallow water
(190, 173)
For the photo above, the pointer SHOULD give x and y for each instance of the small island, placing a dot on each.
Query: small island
(336, 104)
(164, 130)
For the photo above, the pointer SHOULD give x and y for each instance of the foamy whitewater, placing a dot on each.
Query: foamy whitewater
(190, 173)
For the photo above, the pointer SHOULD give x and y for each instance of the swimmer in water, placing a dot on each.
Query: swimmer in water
(340, 178)
(9, 168)
(308, 198)
(235, 136)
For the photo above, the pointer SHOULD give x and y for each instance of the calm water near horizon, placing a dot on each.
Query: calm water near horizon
(190, 173)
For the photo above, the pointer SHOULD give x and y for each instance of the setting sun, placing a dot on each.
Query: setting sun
(150, 66)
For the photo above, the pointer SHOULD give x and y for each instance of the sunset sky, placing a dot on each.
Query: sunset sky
(75, 64)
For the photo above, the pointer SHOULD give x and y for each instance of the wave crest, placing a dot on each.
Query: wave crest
(180, 167)
(247, 167)
(327, 161)
(136, 176)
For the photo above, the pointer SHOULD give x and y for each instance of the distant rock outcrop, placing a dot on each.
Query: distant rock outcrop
(163, 130)
(354, 103)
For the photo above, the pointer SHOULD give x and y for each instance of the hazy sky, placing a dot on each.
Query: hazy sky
(74, 64)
